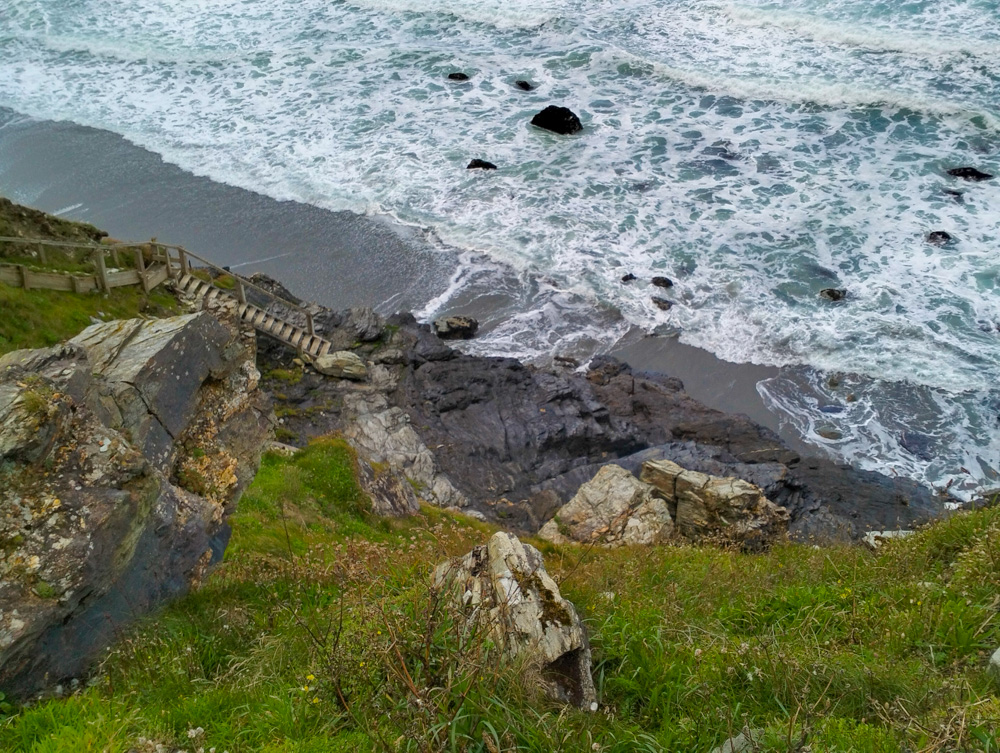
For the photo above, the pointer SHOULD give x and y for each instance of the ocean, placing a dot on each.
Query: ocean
(755, 153)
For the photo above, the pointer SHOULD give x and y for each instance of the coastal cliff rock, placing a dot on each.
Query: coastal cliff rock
(121, 454)
(504, 583)
(515, 441)
(706, 506)
(613, 509)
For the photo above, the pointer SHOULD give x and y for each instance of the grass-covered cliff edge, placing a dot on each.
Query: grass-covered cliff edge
(319, 632)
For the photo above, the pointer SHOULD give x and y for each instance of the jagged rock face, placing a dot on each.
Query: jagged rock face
(515, 442)
(718, 507)
(612, 509)
(121, 454)
(505, 583)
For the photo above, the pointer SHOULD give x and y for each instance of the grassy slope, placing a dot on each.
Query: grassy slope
(38, 318)
(319, 632)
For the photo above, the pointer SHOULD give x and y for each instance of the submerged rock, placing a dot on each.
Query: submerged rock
(969, 173)
(612, 509)
(504, 585)
(523, 85)
(725, 508)
(662, 282)
(938, 237)
(662, 303)
(833, 294)
(628, 277)
(121, 455)
(560, 120)
(458, 76)
(456, 327)
(480, 164)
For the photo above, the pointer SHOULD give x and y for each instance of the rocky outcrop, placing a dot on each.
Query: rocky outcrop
(391, 495)
(939, 237)
(833, 294)
(121, 454)
(612, 509)
(341, 364)
(504, 585)
(559, 120)
(458, 76)
(456, 327)
(516, 442)
(969, 173)
(721, 508)
(480, 164)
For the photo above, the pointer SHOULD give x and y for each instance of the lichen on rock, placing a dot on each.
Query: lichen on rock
(100, 520)
(504, 582)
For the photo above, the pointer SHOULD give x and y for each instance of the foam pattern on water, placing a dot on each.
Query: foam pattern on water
(754, 152)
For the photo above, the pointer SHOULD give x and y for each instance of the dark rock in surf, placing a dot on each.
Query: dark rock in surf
(662, 282)
(458, 76)
(969, 173)
(954, 195)
(833, 294)
(456, 327)
(481, 164)
(939, 237)
(560, 120)
(662, 303)
(523, 85)
(628, 277)
(918, 445)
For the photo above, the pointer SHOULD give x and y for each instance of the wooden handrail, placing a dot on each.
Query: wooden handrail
(182, 255)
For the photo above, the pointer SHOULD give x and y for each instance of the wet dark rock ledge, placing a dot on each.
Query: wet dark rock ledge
(514, 442)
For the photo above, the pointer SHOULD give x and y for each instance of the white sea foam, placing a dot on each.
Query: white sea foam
(753, 154)
(867, 37)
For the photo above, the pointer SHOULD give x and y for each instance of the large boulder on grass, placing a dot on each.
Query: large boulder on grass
(504, 586)
(726, 509)
(612, 509)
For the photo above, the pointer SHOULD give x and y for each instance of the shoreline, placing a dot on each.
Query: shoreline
(96, 176)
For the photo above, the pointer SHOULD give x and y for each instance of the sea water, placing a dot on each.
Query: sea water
(753, 152)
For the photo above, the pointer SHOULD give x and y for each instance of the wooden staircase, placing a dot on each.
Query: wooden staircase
(281, 330)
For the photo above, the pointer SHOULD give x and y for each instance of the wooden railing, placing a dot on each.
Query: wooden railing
(153, 264)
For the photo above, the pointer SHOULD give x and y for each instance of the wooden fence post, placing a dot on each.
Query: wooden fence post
(241, 293)
(184, 260)
(309, 323)
(140, 265)
(42, 258)
(114, 257)
(102, 271)
(24, 277)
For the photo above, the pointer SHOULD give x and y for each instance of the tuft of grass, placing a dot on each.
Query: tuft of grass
(41, 318)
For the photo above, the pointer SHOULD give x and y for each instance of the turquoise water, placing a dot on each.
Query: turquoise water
(754, 152)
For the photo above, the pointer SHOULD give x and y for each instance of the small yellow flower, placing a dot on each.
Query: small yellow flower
(310, 677)
(315, 700)
(361, 664)
(305, 688)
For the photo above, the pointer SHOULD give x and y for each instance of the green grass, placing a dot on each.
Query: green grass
(319, 633)
(40, 318)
